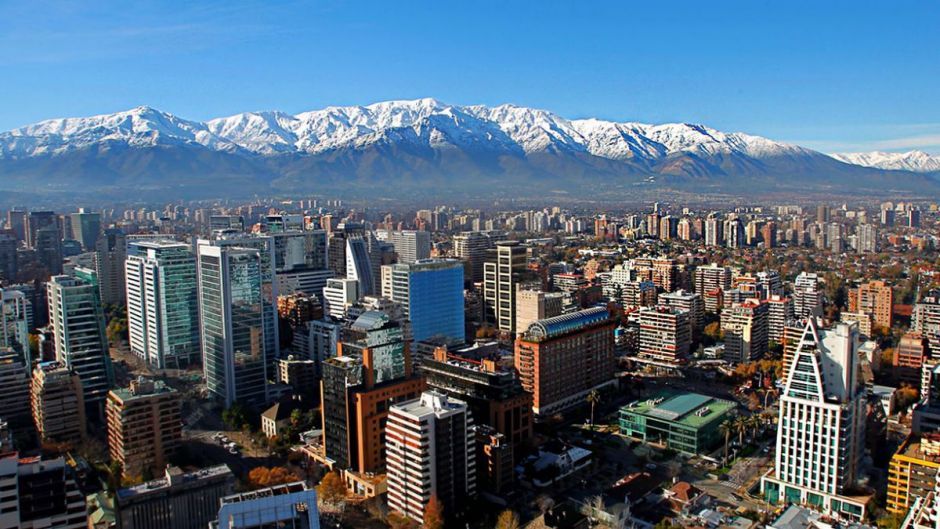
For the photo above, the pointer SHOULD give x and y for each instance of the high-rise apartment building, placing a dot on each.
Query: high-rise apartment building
(714, 231)
(430, 453)
(712, 279)
(876, 299)
(500, 275)
(745, 327)
(77, 321)
(768, 284)
(687, 301)
(39, 494)
(546, 352)
(779, 312)
(233, 324)
(57, 403)
(431, 293)
(410, 245)
(913, 471)
(471, 247)
(144, 426)
(807, 296)
(925, 318)
(162, 306)
(867, 235)
(820, 437)
(665, 334)
(16, 320)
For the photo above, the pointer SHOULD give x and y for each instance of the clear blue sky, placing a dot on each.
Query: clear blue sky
(830, 75)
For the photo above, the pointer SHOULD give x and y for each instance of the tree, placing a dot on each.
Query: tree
(433, 514)
(507, 520)
(594, 397)
(740, 426)
(713, 332)
(260, 477)
(235, 416)
(725, 428)
(331, 488)
(397, 520)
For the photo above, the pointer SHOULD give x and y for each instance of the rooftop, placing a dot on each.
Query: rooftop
(690, 409)
(173, 477)
(559, 325)
(923, 448)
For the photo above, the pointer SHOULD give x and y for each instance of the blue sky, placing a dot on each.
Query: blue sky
(831, 75)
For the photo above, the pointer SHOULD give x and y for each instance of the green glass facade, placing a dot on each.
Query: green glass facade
(687, 423)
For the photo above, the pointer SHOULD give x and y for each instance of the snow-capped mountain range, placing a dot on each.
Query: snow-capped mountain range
(507, 127)
(418, 142)
(915, 161)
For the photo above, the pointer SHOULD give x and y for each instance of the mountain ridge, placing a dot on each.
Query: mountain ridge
(405, 144)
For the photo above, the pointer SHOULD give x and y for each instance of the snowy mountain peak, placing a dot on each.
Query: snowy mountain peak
(916, 161)
(509, 129)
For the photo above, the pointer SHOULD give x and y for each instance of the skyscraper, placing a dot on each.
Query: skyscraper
(359, 265)
(430, 453)
(820, 437)
(431, 292)
(9, 260)
(77, 321)
(233, 324)
(85, 228)
(372, 370)
(35, 221)
(264, 245)
(110, 253)
(501, 272)
(48, 247)
(162, 308)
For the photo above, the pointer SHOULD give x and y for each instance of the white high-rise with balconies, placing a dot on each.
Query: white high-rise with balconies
(820, 435)
(429, 452)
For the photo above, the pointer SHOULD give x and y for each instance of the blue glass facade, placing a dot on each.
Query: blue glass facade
(435, 299)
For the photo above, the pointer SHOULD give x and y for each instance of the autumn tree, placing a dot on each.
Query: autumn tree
(268, 477)
(433, 514)
(397, 520)
(331, 488)
(507, 520)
